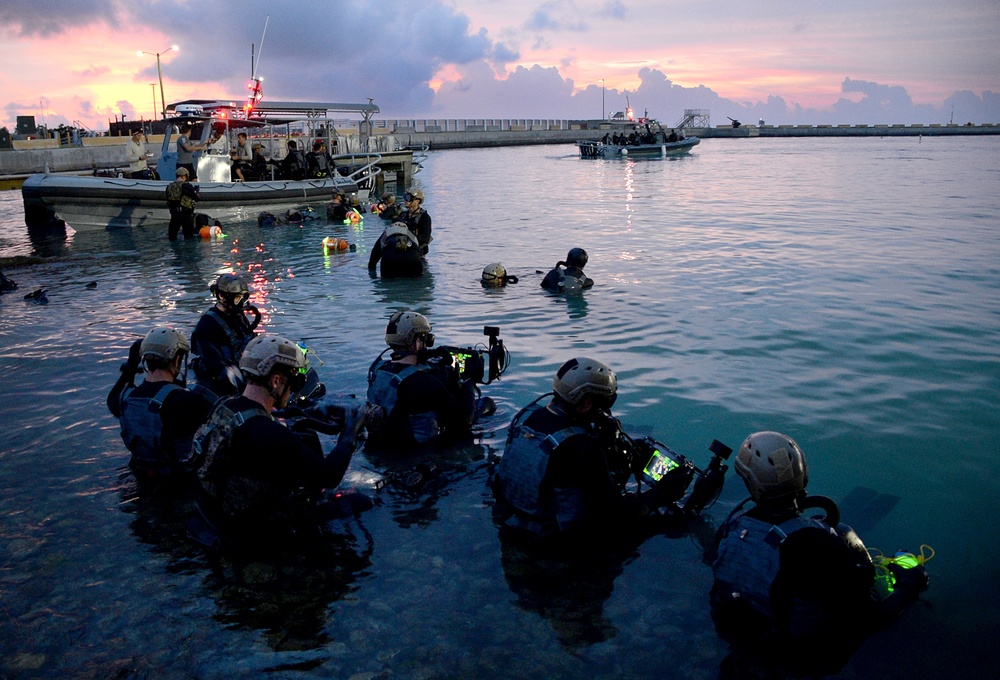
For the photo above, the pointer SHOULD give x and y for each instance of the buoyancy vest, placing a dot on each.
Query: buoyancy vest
(749, 556)
(398, 237)
(383, 392)
(213, 442)
(142, 431)
(521, 473)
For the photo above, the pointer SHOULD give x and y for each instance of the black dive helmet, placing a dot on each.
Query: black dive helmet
(576, 257)
(235, 293)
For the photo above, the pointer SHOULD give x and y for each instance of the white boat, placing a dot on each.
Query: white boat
(649, 140)
(88, 203)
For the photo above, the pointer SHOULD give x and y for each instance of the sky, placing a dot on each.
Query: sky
(798, 62)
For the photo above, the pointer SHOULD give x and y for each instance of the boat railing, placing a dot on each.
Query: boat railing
(361, 168)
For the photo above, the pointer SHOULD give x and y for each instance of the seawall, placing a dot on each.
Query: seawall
(109, 152)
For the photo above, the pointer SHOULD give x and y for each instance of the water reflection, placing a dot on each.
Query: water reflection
(413, 483)
(288, 594)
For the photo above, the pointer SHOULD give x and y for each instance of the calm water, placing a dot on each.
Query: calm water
(843, 291)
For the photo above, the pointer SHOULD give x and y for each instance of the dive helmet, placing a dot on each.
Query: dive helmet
(576, 257)
(164, 343)
(580, 378)
(264, 352)
(494, 274)
(230, 286)
(772, 466)
(404, 327)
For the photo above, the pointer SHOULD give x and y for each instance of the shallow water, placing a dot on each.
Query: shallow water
(842, 291)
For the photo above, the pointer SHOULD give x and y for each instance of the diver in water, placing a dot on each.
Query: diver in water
(221, 335)
(788, 582)
(398, 251)
(262, 483)
(495, 276)
(417, 220)
(568, 276)
(159, 417)
(415, 399)
(560, 478)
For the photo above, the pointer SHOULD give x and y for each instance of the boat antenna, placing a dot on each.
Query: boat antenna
(256, 92)
(253, 71)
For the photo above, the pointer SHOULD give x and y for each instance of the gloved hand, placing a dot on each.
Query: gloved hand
(134, 357)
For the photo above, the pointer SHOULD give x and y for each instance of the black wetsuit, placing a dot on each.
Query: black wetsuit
(577, 493)
(399, 254)
(265, 480)
(570, 278)
(218, 341)
(424, 401)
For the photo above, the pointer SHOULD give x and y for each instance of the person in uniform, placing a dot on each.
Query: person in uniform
(791, 585)
(416, 219)
(398, 251)
(221, 335)
(418, 397)
(261, 483)
(159, 417)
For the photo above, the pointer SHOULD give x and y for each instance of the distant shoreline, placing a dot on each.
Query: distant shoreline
(109, 152)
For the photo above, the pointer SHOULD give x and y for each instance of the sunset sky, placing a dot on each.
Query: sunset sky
(807, 61)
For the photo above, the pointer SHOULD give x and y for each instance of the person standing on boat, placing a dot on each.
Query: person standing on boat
(186, 150)
(293, 166)
(222, 334)
(181, 199)
(241, 157)
(159, 417)
(568, 276)
(416, 219)
(319, 161)
(135, 151)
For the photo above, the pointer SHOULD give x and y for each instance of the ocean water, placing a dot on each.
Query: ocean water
(845, 292)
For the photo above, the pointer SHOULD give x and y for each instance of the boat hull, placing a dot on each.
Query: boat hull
(590, 149)
(96, 203)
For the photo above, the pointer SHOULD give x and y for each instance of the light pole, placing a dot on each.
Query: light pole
(153, 87)
(159, 72)
(604, 112)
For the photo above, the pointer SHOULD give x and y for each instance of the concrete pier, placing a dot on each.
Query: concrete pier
(98, 153)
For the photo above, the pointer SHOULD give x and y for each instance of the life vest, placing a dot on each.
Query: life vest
(749, 556)
(383, 386)
(213, 444)
(521, 476)
(142, 431)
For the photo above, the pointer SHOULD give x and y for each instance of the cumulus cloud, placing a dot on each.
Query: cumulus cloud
(46, 18)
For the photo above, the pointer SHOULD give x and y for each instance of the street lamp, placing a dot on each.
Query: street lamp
(604, 111)
(159, 72)
(153, 87)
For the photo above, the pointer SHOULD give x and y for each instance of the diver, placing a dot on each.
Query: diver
(319, 160)
(387, 208)
(159, 417)
(398, 251)
(221, 334)
(495, 276)
(564, 467)
(261, 482)
(417, 220)
(790, 582)
(417, 396)
(568, 276)
(337, 209)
